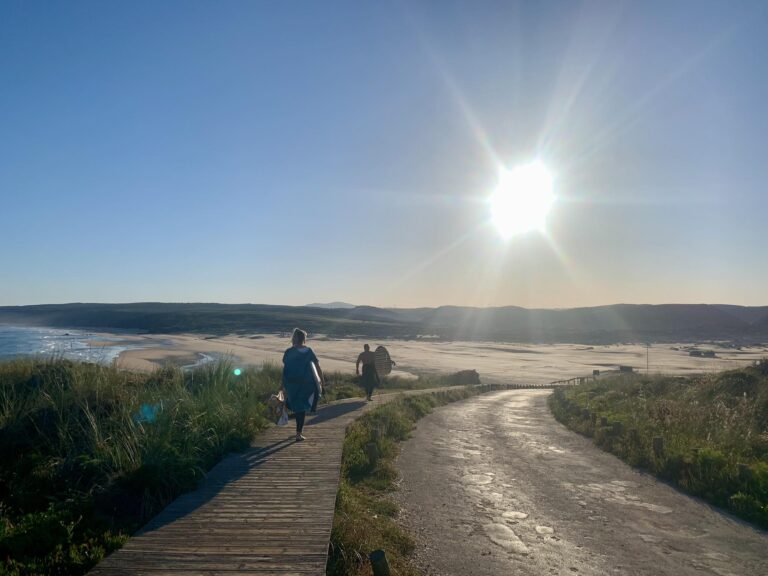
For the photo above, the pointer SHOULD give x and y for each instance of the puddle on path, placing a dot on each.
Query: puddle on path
(625, 483)
(650, 539)
(616, 492)
(514, 515)
(478, 479)
(505, 537)
(652, 507)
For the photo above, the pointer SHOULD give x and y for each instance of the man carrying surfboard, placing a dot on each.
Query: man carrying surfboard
(370, 376)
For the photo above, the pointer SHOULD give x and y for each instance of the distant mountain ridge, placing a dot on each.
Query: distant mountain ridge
(599, 324)
(331, 305)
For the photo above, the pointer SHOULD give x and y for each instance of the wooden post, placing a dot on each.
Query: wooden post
(379, 563)
(372, 451)
(658, 446)
(745, 472)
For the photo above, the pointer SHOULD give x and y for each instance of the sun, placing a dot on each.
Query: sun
(522, 199)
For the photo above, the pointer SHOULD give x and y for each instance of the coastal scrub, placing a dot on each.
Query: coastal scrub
(707, 434)
(89, 453)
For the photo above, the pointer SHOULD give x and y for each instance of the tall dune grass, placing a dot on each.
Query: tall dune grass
(89, 453)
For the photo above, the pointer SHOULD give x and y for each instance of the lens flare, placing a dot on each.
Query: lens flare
(237, 371)
(522, 199)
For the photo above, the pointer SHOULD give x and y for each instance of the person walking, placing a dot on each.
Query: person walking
(300, 387)
(370, 376)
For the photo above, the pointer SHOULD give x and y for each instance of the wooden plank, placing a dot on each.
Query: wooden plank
(267, 511)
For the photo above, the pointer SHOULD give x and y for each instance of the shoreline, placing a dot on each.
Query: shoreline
(496, 362)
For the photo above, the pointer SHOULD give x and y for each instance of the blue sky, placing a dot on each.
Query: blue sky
(293, 152)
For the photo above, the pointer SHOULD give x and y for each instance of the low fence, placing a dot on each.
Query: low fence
(570, 382)
(555, 384)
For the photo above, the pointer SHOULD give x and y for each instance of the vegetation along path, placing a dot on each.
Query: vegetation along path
(494, 485)
(266, 511)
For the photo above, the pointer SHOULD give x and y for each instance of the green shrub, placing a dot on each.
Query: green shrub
(714, 430)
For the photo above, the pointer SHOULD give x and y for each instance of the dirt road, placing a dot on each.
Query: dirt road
(495, 485)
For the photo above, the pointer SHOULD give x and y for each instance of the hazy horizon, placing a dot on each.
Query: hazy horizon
(309, 152)
(245, 303)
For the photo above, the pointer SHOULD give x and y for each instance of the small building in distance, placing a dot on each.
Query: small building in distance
(702, 353)
(626, 369)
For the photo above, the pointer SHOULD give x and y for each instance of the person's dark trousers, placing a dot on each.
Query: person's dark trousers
(300, 421)
(370, 378)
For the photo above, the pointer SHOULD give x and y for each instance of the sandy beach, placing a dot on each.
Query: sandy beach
(496, 362)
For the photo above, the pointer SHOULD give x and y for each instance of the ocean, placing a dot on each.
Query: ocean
(18, 341)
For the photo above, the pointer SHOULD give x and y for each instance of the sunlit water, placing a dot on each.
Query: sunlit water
(18, 341)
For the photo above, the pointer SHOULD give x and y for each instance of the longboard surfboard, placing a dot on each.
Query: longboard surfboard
(383, 361)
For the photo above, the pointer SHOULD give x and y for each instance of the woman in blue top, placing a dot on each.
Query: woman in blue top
(299, 385)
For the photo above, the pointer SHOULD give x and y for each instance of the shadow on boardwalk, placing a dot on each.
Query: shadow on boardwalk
(335, 411)
(230, 469)
(266, 511)
(236, 466)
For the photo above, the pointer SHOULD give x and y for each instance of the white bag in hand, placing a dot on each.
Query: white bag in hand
(283, 420)
(276, 406)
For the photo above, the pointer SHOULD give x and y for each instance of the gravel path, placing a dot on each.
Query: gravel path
(494, 485)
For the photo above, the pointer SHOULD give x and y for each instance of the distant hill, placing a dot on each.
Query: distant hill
(331, 305)
(595, 325)
(615, 323)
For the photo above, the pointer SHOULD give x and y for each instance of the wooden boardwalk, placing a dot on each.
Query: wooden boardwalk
(266, 511)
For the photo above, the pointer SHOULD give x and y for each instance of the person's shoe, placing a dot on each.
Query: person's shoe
(300, 438)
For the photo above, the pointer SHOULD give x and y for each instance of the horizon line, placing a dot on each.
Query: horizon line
(353, 306)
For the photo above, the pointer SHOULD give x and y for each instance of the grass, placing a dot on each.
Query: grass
(341, 385)
(366, 518)
(707, 434)
(89, 453)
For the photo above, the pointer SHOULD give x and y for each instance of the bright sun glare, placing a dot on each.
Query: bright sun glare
(522, 199)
